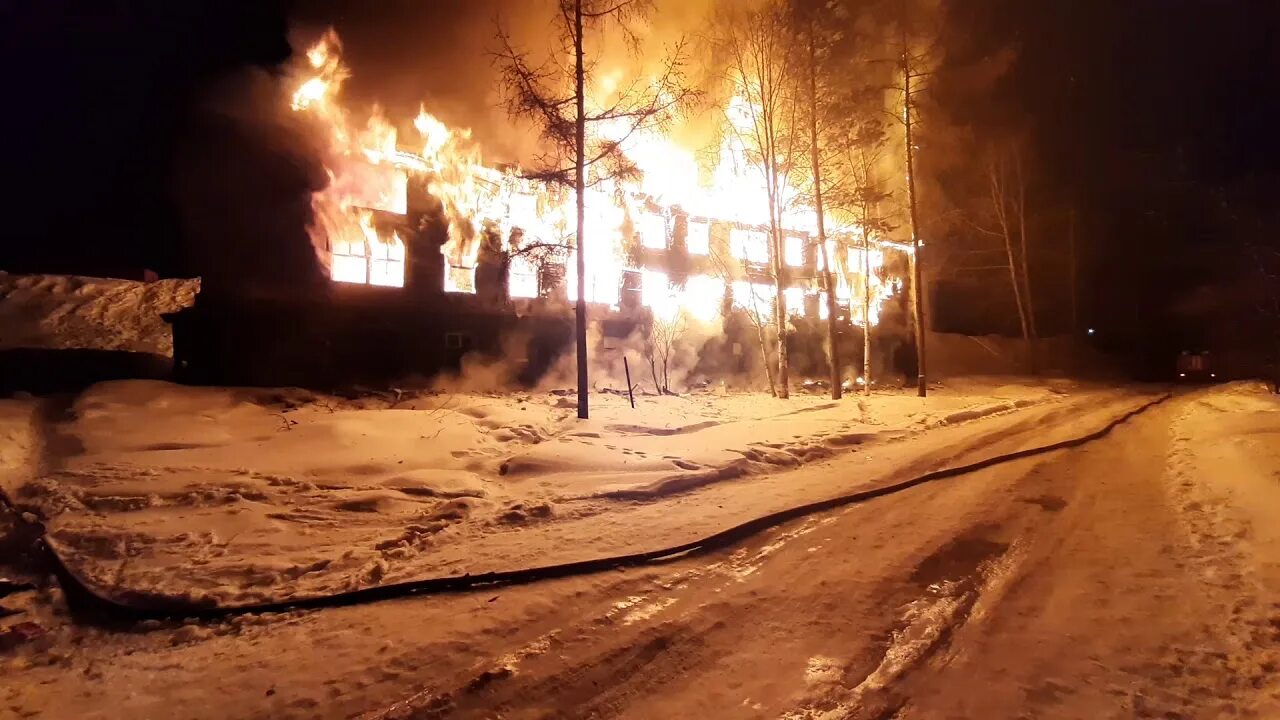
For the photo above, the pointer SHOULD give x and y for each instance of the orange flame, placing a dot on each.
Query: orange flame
(369, 172)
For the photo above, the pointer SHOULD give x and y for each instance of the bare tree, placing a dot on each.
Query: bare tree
(663, 332)
(756, 312)
(553, 94)
(869, 195)
(917, 33)
(1020, 200)
(1008, 209)
(909, 74)
(810, 23)
(858, 193)
(765, 77)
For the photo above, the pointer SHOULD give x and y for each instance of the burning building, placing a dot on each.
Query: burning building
(431, 254)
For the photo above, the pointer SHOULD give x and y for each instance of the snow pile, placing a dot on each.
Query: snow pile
(69, 311)
(235, 495)
(18, 442)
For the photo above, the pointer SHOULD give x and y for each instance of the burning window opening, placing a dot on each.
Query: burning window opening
(655, 288)
(698, 237)
(755, 298)
(522, 278)
(749, 245)
(460, 279)
(604, 284)
(793, 251)
(368, 259)
(653, 231)
(794, 299)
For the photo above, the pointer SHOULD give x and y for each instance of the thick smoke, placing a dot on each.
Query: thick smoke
(245, 169)
(440, 56)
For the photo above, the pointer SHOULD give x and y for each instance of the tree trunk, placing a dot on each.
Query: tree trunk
(580, 186)
(1026, 273)
(833, 342)
(998, 192)
(866, 315)
(917, 301)
(784, 389)
(1017, 296)
(764, 348)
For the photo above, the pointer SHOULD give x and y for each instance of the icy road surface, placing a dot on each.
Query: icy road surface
(1134, 577)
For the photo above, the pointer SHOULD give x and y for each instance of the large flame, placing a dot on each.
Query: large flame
(369, 171)
(363, 176)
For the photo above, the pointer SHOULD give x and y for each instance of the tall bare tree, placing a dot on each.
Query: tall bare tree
(910, 75)
(553, 94)
(1020, 181)
(1007, 191)
(809, 20)
(918, 30)
(765, 77)
(662, 333)
(859, 193)
(757, 312)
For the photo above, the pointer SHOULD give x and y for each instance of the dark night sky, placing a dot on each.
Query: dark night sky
(1145, 110)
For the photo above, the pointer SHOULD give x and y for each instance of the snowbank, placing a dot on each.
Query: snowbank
(19, 442)
(69, 311)
(234, 495)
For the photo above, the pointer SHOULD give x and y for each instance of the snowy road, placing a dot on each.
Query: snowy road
(1134, 577)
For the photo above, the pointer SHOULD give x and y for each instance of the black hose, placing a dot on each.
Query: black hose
(161, 608)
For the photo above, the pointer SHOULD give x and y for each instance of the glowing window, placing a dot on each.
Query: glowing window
(698, 238)
(794, 298)
(522, 278)
(377, 263)
(459, 279)
(386, 266)
(856, 257)
(756, 298)
(655, 289)
(749, 245)
(604, 285)
(843, 292)
(653, 231)
(823, 312)
(347, 262)
(704, 296)
(523, 210)
(831, 253)
(793, 251)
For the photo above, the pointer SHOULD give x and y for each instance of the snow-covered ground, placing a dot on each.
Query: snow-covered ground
(69, 311)
(240, 495)
(1132, 577)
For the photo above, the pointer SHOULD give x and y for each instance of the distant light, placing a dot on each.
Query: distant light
(1182, 374)
(1213, 375)
(1092, 331)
